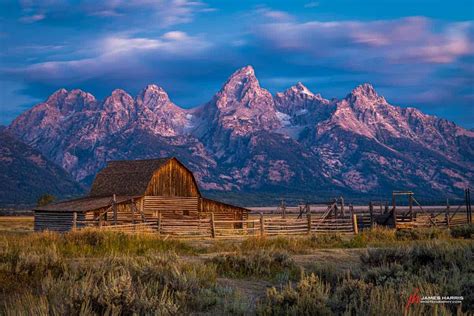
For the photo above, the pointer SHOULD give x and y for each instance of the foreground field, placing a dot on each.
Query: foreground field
(16, 223)
(91, 272)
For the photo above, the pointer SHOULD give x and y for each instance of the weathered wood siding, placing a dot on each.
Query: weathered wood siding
(173, 179)
(190, 208)
(171, 207)
(126, 213)
(223, 212)
(55, 221)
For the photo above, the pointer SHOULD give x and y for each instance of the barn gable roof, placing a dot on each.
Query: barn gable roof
(83, 204)
(126, 177)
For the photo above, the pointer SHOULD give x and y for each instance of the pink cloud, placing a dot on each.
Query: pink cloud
(406, 40)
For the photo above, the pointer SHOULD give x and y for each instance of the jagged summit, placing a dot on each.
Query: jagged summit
(240, 83)
(301, 88)
(153, 88)
(242, 75)
(366, 91)
(244, 71)
(58, 94)
(119, 95)
(153, 96)
(245, 138)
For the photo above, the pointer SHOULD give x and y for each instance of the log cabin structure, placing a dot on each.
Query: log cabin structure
(137, 191)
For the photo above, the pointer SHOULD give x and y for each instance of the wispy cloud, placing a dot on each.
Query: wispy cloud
(165, 13)
(407, 40)
(312, 4)
(118, 54)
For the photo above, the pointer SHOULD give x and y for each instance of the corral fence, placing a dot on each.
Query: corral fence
(211, 228)
(416, 215)
(332, 218)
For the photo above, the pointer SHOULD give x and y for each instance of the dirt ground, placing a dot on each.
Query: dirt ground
(253, 289)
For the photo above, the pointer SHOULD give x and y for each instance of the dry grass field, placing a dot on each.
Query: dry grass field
(19, 224)
(97, 272)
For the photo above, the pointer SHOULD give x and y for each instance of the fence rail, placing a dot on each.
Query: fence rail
(208, 227)
(335, 219)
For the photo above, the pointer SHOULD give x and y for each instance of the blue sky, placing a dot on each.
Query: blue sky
(415, 53)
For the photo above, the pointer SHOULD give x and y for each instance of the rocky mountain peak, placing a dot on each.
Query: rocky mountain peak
(364, 91)
(241, 107)
(246, 138)
(70, 101)
(57, 97)
(241, 83)
(301, 88)
(152, 97)
(118, 101)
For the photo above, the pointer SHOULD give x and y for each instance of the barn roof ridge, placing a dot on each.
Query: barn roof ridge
(146, 159)
(127, 177)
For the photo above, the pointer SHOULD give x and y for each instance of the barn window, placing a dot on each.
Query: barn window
(186, 213)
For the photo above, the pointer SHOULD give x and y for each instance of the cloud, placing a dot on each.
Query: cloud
(407, 40)
(32, 18)
(117, 54)
(163, 13)
(312, 4)
(269, 15)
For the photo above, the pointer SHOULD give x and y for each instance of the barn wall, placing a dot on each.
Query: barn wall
(55, 221)
(223, 212)
(190, 207)
(173, 179)
(171, 207)
(125, 213)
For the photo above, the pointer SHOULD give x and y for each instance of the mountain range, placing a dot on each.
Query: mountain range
(26, 174)
(247, 140)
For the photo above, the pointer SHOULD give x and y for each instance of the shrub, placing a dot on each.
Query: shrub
(421, 234)
(155, 284)
(261, 264)
(466, 231)
(45, 199)
(382, 284)
(309, 297)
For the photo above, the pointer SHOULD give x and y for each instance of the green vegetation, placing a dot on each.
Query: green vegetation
(382, 284)
(377, 237)
(93, 243)
(45, 199)
(466, 232)
(99, 272)
(264, 264)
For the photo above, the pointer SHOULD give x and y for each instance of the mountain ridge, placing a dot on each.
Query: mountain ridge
(245, 138)
(26, 174)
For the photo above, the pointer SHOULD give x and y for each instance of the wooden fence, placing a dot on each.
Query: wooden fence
(211, 228)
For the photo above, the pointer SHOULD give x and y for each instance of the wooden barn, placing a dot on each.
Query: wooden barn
(137, 191)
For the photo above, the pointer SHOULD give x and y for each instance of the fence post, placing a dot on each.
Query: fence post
(467, 194)
(394, 215)
(262, 228)
(447, 213)
(354, 224)
(133, 215)
(74, 221)
(114, 208)
(158, 224)
(309, 223)
(470, 206)
(371, 213)
(342, 206)
(213, 226)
